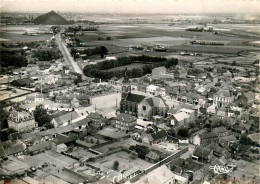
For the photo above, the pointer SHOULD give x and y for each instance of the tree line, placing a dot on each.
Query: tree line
(12, 58)
(46, 55)
(98, 70)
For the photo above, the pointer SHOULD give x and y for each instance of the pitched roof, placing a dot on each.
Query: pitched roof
(82, 97)
(173, 110)
(219, 129)
(159, 135)
(95, 115)
(223, 93)
(40, 146)
(202, 152)
(126, 117)
(30, 98)
(227, 139)
(153, 155)
(151, 178)
(181, 116)
(208, 135)
(255, 137)
(156, 101)
(15, 148)
(66, 117)
(135, 98)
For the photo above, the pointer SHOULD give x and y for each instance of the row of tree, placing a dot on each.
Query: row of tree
(46, 55)
(98, 70)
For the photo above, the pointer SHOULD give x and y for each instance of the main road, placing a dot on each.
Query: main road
(67, 56)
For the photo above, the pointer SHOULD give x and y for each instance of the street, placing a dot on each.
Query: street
(67, 56)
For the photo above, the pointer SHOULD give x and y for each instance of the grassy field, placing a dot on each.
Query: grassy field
(129, 67)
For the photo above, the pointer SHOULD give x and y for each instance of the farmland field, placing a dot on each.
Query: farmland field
(14, 33)
(14, 37)
(173, 37)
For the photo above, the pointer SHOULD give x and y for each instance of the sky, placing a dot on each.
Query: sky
(133, 6)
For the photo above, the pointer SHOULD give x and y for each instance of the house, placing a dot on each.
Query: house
(39, 98)
(40, 147)
(96, 119)
(15, 149)
(173, 111)
(161, 175)
(155, 90)
(255, 137)
(202, 154)
(205, 138)
(219, 151)
(84, 100)
(74, 103)
(246, 99)
(212, 109)
(220, 131)
(212, 77)
(180, 119)
(228, 140)
(156, 137)
(29, 99)
(21, 121)
(221, 113)
(66, 119)
(223, 97)
(180, 73)
(238, 129)
(125, 122)
(153, 156)
(59, 147)
(157, 72)
(62, 99)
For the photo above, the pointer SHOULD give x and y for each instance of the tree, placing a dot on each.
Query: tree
(42, 117)
(183, 132)
(171, 62)
(78, 79)
(91, 141)
(245, 140)
(103, 51)
(115, 165)
(3, 117)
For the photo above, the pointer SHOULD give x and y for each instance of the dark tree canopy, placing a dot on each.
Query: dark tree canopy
(115, 165)
(11, 59)
(99, 70)
(171, 62)
(46, 55)
(42, 117)
(183, 132)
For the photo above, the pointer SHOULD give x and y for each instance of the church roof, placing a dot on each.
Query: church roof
(135, 98)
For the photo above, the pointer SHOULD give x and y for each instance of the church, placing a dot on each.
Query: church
(142, 106)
